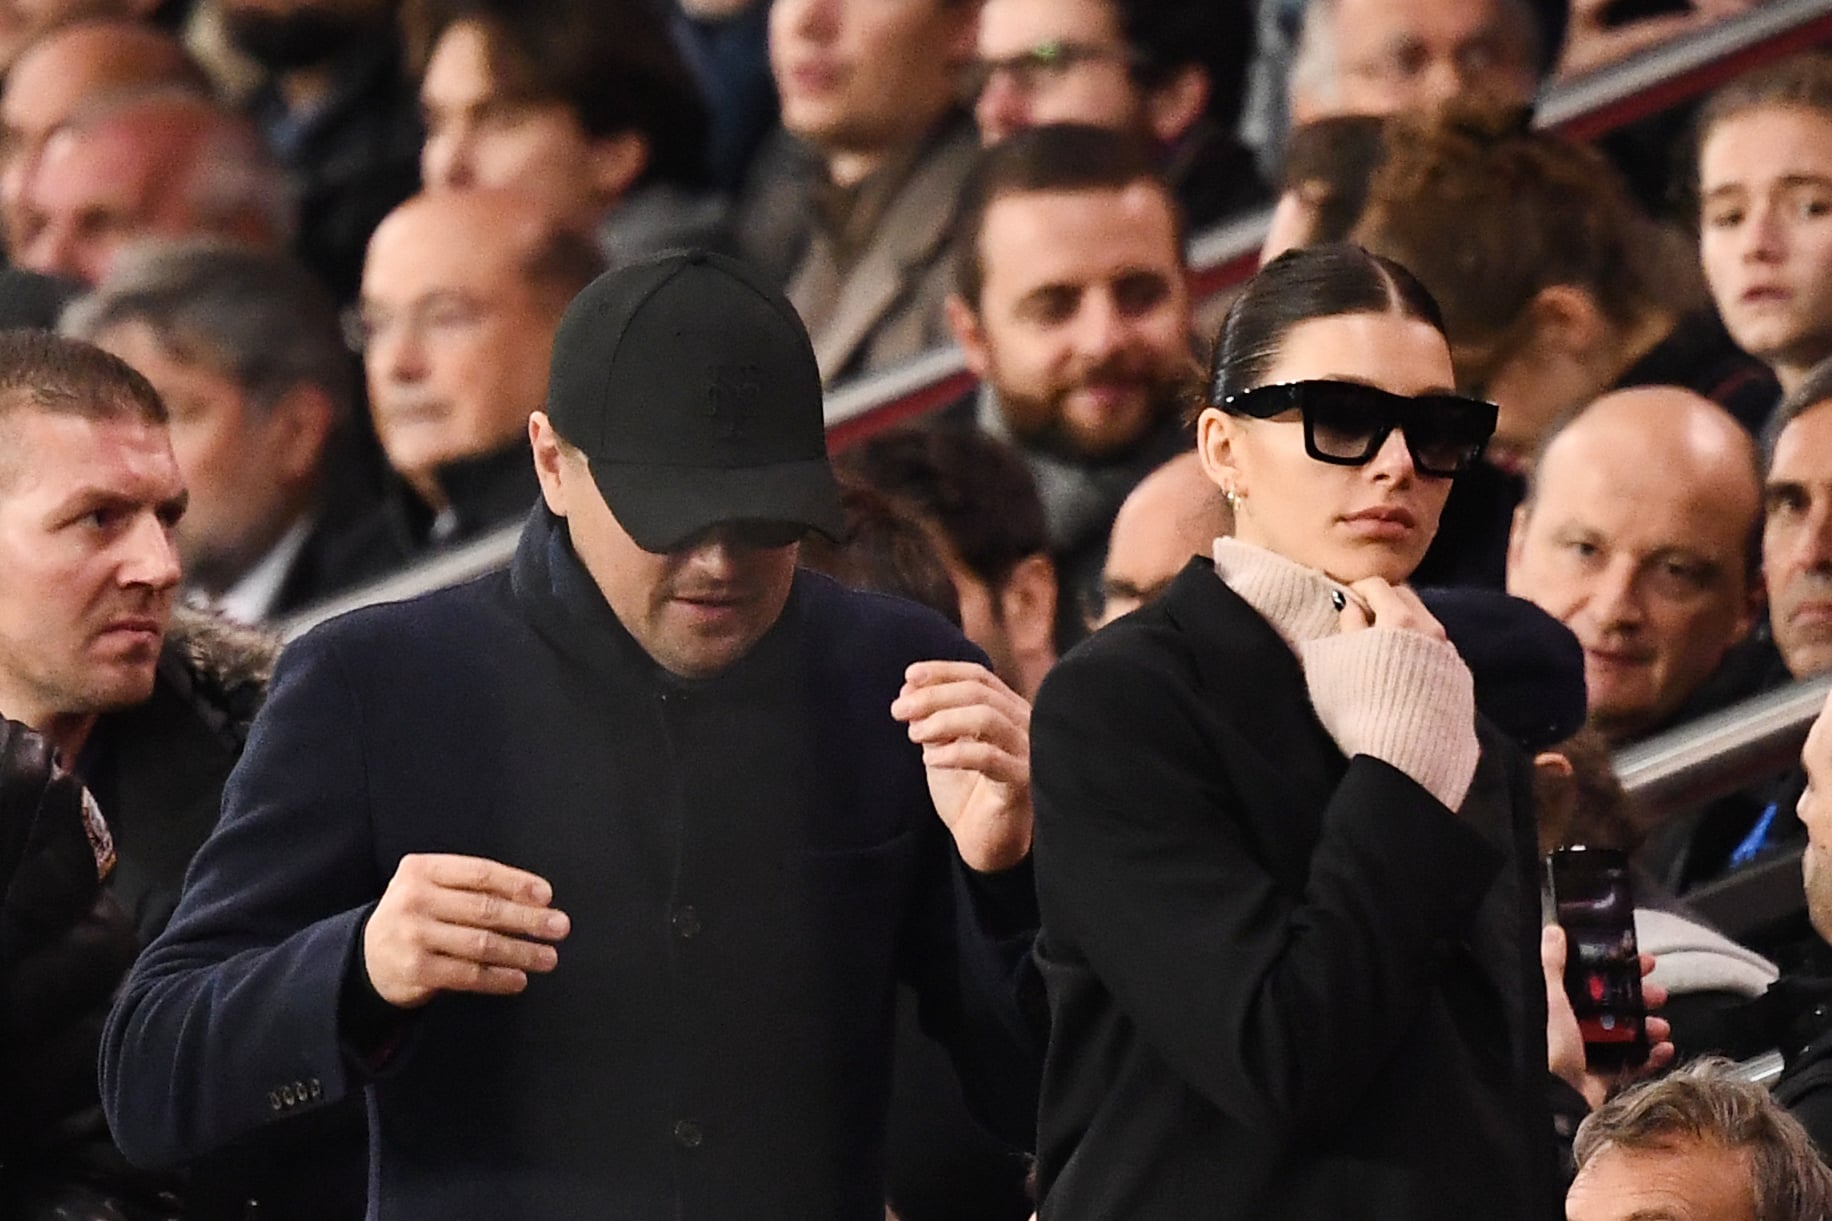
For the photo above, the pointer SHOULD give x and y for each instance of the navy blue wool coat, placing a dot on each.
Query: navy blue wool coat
(750, 863)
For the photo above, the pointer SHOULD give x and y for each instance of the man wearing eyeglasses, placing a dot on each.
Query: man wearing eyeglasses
(1383, 56)
(461, 296)
(1167, 71)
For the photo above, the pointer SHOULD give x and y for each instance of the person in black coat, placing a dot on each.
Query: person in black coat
(64, 943)
(1291, 925)
(598, 874)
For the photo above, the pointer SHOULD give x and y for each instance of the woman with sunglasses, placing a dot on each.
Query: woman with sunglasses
(1290, 917)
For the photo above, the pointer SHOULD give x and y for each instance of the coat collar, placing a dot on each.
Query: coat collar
(1238, 656)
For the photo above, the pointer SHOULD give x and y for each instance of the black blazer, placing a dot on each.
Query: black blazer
(1282, 983)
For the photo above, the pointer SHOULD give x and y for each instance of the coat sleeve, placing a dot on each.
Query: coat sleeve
(229, 1020)
(967, 955)
(1278, 1007)
(966, 951)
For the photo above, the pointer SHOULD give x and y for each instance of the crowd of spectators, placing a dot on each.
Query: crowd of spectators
(332, 244)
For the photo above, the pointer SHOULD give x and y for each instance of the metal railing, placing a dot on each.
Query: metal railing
(1723, 753)
(463, 562)
(1716, 756)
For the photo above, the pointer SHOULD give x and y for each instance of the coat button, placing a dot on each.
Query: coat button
(687, 1134)
(287, 1096)
(686, 923)
(317, 1090)
(273, 1099)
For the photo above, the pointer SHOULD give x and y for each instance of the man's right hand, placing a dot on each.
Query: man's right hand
(459, 924)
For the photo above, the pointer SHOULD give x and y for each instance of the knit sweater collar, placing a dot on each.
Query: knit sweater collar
(1294, 599)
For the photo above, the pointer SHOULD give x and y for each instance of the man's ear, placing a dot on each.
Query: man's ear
(1556, 795)
(1173, 107)
(969, 333)
(1517, 540)
(549, 461)
(1568, 320)
(1027, 606)
(300, 425)
(614, 164)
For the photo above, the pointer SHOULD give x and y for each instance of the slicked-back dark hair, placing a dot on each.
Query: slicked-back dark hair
(974, 488)
(1055, 157)
(44, 370)
(1314, 282)
(612, 62)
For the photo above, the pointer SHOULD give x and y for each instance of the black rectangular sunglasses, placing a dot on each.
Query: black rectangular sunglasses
(1346, 423)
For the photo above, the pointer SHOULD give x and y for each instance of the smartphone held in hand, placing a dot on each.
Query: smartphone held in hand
(1594, 903)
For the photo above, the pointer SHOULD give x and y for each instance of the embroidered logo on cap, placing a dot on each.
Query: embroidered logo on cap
(731, 397)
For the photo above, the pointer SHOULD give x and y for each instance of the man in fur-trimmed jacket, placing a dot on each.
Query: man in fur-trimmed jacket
(149, 713)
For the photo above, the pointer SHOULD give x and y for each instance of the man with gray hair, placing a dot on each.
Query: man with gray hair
(1697, 1145)
(165, 164)
(1797, 524)
(247, 352)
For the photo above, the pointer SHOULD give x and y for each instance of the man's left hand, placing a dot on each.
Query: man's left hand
(975, 737)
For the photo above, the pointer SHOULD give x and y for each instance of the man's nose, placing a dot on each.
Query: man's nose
(1102, 328)
(1001, 108)
(718, 554)
(151, 555)
(1816, 537)
(397, 352)
(1615, 596)
(1441, 83)
(51, 251)
(451, 161)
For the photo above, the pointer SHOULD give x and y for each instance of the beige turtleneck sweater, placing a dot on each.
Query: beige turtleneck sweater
(1402, 697)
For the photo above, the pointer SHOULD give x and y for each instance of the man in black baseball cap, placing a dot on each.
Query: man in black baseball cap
(598, 874)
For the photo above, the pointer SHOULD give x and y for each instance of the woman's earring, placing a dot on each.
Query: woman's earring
(1231, 496)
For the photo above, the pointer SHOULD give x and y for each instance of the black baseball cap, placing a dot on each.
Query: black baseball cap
(690, 384)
